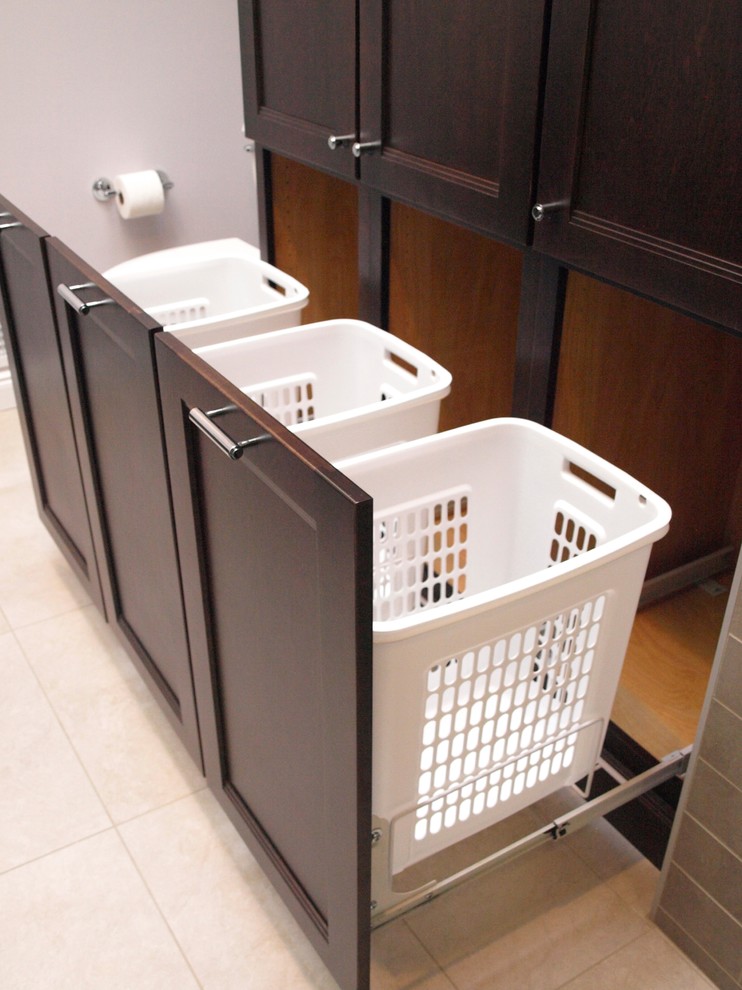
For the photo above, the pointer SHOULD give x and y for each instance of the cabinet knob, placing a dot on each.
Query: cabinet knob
(542, 210)
(336, 141)
(365, 147)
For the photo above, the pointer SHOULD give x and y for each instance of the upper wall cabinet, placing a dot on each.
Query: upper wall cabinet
(299, 78)
(640, 178)
(445, 112)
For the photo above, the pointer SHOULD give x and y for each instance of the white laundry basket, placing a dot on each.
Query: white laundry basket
(212, 291)
(508, 565)
(343, 385)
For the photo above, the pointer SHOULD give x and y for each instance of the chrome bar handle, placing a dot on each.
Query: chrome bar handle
(336, 141)
(67, 292)
(205, 423)
(13, 222)
(541, 210)
(365, 147)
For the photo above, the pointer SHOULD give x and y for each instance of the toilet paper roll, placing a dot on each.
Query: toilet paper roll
(139, 194)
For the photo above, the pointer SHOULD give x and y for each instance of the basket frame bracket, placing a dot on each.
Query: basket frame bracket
(388, 904)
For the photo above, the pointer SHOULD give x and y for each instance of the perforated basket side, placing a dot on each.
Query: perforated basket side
(503, 720)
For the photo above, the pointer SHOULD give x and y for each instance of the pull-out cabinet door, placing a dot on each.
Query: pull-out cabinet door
(107, 345)
(276, 560)
(30, 330)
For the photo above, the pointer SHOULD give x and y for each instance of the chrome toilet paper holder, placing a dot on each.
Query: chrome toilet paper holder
(103, 189)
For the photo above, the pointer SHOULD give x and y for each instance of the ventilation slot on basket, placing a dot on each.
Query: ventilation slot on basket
(504, 718)
(420, 554)
(570, 538)
(184, 311)
(290, 400)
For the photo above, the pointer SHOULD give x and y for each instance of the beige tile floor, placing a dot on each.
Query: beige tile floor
(119, 870)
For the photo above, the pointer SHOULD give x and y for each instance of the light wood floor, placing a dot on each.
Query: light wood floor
(667, 667)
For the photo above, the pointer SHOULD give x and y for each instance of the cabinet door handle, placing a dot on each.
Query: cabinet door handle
(67, 292)
(232, 448)
(542, 210)
(365, 147)
(11, 223)
(336, 141)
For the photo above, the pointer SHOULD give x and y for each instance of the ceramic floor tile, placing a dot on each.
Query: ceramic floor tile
(126, 744)
(82, 919)
(650, 962)
(607, 853)
(532, 923)
(232, 926)
(35, 579)
(399, 962)
(46, 798)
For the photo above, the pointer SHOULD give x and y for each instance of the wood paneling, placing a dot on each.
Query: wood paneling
(666, 671)
(455, 295)
(315, 237)
(659, 395)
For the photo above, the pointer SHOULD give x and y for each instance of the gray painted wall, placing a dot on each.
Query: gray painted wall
(700, 898)
(94, 89)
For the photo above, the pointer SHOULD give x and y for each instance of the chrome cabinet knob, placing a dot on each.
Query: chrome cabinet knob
(364, 148)
(542, 210)
(336, 141)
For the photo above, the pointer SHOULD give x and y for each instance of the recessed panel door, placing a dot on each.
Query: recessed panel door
(30, 330)
(275, 545)
(448, 108)
(640, 161)
(299, 78)
(107, 345)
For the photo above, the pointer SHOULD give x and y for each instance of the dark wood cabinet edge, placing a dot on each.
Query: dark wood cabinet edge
(543, 290)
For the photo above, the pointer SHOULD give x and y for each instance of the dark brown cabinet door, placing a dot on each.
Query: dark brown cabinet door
(30, 329)
(276, 559)
(299, 78)
(109, 362)
(450, 93)
(641, 149)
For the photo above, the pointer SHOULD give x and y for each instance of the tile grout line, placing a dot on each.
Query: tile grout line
(599, 962)
(698, 946)
(66, 735)
(428, 953)
(153, 898)
(58, 849)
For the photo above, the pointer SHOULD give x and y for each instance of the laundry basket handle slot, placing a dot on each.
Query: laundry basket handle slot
(232, 448)
(400, 362)
(591, 479)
